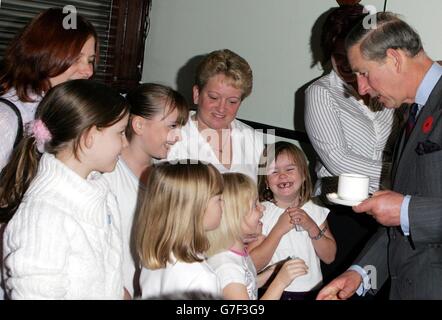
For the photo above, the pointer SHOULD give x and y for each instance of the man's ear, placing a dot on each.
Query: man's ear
(396, 58)
(196, 94)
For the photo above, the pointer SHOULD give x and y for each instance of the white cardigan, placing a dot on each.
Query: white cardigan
(64, 240)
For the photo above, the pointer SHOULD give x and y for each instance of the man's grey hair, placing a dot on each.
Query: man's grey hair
(390, 32)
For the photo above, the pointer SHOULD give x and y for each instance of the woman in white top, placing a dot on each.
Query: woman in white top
(43, 55)
(183, 203)
(63, 241)
(157, 112)
(286, 190)
(228, 256)
(212, 134)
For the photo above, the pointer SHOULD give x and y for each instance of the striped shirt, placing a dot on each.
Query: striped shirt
(347, 135)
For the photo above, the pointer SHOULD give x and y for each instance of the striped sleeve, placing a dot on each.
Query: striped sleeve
(323, 121)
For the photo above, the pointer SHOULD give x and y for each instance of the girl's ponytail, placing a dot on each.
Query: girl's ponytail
(17, 175)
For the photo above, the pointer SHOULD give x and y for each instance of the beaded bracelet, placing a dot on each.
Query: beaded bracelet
(320, 234)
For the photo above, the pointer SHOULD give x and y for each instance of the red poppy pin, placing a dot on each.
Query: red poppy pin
(428, 124)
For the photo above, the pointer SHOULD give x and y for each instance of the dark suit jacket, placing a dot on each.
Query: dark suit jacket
(414, 263)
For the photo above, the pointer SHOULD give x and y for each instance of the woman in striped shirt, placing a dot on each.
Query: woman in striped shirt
(350, 133)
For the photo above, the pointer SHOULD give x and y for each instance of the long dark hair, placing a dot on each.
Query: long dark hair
(42, 50)
(338, 24)
(67, 110)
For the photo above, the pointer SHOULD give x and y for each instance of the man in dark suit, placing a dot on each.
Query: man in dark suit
(390, 64)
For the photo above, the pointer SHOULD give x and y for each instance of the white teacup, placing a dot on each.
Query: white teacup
(352, 186)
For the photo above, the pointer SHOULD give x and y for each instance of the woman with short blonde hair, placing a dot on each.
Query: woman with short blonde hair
(213, 134)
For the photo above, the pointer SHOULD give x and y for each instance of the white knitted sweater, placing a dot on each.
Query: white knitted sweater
(64, 241)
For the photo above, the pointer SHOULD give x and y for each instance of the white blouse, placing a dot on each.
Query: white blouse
(297, 244)
(179, 277)
(129, 194)
(235, 267)
(247, 146)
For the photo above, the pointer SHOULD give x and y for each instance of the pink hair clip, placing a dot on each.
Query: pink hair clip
(40, 132)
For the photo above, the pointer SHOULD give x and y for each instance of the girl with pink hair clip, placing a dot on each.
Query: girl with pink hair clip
(63, 240)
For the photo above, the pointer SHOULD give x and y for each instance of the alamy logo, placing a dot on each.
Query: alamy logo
(249, 154)
(370, 21)
(70, 21)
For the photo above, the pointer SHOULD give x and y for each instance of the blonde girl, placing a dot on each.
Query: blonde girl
(63, 238)
(228, 255)
(183, 202)
(157, 114)
(286, 191)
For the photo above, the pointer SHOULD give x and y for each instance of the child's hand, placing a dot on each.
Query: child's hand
(301, 218)
(291, 270)
(284, 223)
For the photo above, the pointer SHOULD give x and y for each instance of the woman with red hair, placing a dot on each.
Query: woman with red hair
(42, 55)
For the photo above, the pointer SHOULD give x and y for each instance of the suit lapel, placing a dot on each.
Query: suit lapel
(432, 106)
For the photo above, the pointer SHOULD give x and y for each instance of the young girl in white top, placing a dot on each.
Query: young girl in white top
(183, 202)
(157, 113)
(63, 241)
(287, 188)
(234, 267)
